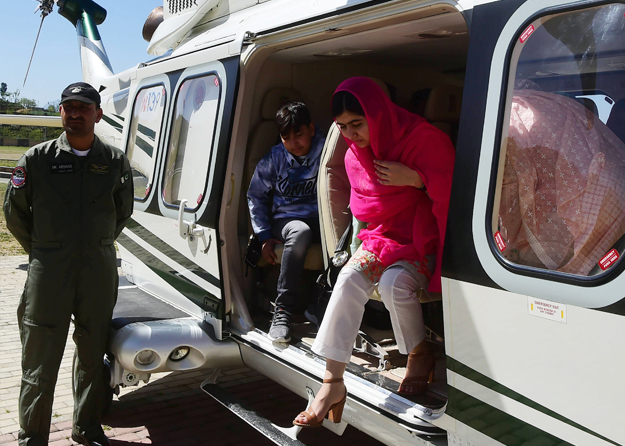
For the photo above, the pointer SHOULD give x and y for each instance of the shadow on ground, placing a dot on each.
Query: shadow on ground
(179, 413)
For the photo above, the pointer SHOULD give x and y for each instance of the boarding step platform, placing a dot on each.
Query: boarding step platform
(279, 435)
(135, 305)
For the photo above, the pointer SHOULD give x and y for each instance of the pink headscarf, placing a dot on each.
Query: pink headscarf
(405, 223)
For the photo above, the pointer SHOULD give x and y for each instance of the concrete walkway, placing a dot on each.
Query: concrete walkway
(170, 410)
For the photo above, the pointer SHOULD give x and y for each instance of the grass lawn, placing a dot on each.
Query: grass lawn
(12, 151)
(8, 245)
(9, 156)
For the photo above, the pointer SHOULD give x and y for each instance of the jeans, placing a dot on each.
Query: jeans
(297, 236)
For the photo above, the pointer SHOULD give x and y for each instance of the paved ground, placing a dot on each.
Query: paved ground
(170, 410)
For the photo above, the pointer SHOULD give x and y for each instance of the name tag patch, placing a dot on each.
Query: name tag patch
(99, 169)
(62, 168)
(18, 177)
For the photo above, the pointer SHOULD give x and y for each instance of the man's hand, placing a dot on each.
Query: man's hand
(269, 254)
(391, 173)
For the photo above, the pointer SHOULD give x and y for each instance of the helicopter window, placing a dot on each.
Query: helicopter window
(188, 155)
(560, 200)
(147, 116)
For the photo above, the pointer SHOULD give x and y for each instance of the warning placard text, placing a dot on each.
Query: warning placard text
(547, 309)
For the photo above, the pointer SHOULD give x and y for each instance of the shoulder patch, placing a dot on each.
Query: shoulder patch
(18, 177)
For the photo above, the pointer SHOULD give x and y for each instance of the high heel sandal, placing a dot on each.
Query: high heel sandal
(417, 385)
(334, 414)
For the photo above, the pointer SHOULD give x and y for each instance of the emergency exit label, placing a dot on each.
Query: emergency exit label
(547, 309)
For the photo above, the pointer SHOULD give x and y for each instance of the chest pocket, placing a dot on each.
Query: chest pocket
(62, 180)
(101, 179)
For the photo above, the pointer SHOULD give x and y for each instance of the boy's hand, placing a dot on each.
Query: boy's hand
(269, 254)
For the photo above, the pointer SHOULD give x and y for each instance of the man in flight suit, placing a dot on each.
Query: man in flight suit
(67, 201)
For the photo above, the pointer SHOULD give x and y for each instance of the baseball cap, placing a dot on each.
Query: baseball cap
(81, 91)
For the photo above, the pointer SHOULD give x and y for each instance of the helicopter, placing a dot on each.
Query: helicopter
(527, 333)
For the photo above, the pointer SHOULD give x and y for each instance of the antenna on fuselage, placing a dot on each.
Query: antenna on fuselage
(46, 7)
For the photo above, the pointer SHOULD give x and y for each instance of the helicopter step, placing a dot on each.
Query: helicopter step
(277, 434)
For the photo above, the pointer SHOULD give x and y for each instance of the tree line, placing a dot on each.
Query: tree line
(11, 103)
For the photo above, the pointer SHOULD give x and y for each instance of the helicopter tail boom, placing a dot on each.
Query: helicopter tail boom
(85, 15)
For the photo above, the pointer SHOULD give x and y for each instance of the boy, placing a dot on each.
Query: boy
(290, 216)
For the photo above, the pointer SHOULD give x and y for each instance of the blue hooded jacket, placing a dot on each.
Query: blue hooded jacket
(294, 186)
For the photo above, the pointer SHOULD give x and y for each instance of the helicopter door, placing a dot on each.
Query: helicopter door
(534, 272)
(174, 231)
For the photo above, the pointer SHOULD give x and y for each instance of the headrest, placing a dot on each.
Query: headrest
(444, 103)
(274, 99)
(382, 85)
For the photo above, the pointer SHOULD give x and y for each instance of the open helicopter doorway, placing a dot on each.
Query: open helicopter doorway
(419, 58)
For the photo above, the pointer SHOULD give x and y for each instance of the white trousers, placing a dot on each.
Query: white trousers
(398, 288)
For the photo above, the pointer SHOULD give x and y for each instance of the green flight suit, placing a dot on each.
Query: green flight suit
(66, 211)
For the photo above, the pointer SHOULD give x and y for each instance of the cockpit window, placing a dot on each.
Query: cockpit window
(190, 144)
(147, 116)
(560, 201)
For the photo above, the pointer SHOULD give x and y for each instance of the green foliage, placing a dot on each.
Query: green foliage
(27, 103)
(14, 96)
(8, 163)
(11, 103)
(54, 107)
(30, 132)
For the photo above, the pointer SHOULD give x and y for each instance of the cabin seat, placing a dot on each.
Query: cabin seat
(333, 192)
(262, 138)
(442, 109)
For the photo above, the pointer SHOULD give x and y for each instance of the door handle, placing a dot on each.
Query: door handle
(183, 226)
(190, 229)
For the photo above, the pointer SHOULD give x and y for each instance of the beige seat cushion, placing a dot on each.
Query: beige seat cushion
(333, 191)
(444, 103)
(442, 108)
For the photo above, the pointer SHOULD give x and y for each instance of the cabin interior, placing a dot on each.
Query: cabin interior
(419, 58)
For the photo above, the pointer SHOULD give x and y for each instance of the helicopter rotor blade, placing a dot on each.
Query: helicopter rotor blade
(46, 8)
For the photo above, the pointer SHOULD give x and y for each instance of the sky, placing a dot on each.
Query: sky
(56, 63)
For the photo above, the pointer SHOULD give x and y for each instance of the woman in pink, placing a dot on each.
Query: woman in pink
(400, 170)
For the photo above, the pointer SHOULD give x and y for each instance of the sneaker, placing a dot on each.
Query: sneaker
(280, 330)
